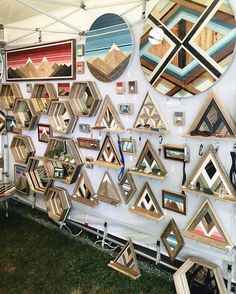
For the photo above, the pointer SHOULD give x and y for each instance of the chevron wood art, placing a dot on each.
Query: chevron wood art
(150, 118)
(213, 120)
(108, 119)
(147, 205)
(207, 228)
(187, 46)
(149, 164)
(209, 179)
(7, 190)
(127, 187)
(172, 240)
(107, 191)
(108, 155)
(2, 121)
(84, 192)
(126, 262)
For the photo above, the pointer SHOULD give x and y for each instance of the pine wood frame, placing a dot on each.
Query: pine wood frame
(180, 280)
(131, 141)
(8, 94)
(89, 143)
(206, 207)
(130, 270)
(172, 227)
(154, 215)
(174, 194)
(174, 148)
(130, 193)
(22, 148)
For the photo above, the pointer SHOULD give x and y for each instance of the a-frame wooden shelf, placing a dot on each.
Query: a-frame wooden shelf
(211, 138)
(22, 148)
(8, 94)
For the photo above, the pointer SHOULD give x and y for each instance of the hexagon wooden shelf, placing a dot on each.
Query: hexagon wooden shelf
(42, 95)
(85, 98)
(58, 203)
(8, 94)
(22, 148)
(37, 176)
(26, 115)
(61, 117)
(63, 160)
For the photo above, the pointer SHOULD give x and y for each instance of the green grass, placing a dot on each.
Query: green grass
(38, 259)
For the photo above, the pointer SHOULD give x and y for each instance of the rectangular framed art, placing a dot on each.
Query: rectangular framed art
(128, 145)
(11, 125)
(173, 152)
(63, 89)
(174, 202)
(44, 132)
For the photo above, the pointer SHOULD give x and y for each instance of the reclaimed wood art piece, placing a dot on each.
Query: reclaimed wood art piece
(108, 155)
(61, 117)
(213, 120)
(44, 132)
(199, 276)
(210, 179)
(37, 176)
(126, 108)
(149, 118)
(108, 119)
(20, 180)
(172, 240)
(127, 187)
(174, 202)
(29, 88)
(26, 115)
(85, 128)
(120, 87)
(207, 228)
(80, 49)
(107, 191)
(84, 192)
(85, 98)
(22, 148)
(179, 118)
(128, 145)
(8, 94)
(63, 153)
(133, 87)
(108, 54)
(146, 204)
(2, 121)
(173, 152)
(11, 125)
(149, 164)
(88, 143)
(126, 262)
(7, 190)
(80, 67)
(63, 89)
(42, 62)
(186, 47)
(58, 203)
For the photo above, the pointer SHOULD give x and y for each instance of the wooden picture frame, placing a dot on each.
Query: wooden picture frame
(20, 180)
(63, 89)
(44, 132)
(89, 143)
(126, 108)
(29, 88)
(80, 49)
(132, 87)
(85, 128)
(179, 118)
(174, 202)
(128, 145)
(120, 87)
(80, 67)
(173, 152)
(11, 126)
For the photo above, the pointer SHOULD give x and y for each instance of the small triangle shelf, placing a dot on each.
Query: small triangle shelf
(150, 119)
(108, 119)
(126, 262)
(213, 121)
(207, 228)
(127, 187)
(84, 192)
(149, 164)
(210, 179)
(146, 204)
(108, 155)
(107, 191)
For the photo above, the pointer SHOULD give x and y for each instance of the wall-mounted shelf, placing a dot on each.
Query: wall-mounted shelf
(22, 148)
(6, 190)
(63, 154)
(8, 94)
(61, 117)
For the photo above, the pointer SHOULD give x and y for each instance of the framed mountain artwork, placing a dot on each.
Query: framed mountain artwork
(42, 62)
(108, 47)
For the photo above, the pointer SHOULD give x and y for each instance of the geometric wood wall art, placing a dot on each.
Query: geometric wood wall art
(127, 187)
(58, 203)
(126, 262)
(20, 180)
(11, 125)
(185, 48)
(22, 148)
(199, 276)
(149, 164)
(8, 94)
(108, 155)
(174, 202)
(210, 179)
(7, 189)
(147, 205)
(42, 62)
(172, 240)
(108, 119)
(84, 192)
(207, 228)
(85, 98)
(88, 143)
(107, 191)
(63, 89)
(2, 121)
(44, 132)
(149, 119)
(213, 120)
(108, 53)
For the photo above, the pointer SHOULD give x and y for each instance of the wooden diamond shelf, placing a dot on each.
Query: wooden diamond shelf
(22, 148)
(8, 94)
(61, 117)
(37, 176)
(85, 98)
(63, 153)
(58, 203)
(26, 115)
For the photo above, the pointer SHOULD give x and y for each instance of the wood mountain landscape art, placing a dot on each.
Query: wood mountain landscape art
(187, 46)
(47, 61)
(108, 47)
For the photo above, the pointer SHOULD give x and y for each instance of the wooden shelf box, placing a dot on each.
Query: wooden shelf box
(8, 94)
(22, 148)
